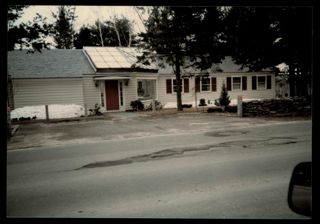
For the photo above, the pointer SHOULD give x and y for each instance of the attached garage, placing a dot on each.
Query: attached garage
(50, 77)
(29, 92)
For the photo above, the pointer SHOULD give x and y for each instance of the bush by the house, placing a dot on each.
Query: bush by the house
(96, 110)
(202, 102)
(158, 106)
(137, 105)
(24, 118)
(214, 109)
(232, 109)
(186, 105)
(224, 99)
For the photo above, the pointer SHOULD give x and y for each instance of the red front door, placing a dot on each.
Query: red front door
(112, 95)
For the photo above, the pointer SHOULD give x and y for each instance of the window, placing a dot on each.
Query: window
(146, 89)
(236, 83)
(171, 85)
(205, 84)
(261, 82)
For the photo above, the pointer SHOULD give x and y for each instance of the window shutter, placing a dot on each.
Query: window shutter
(254, 82)
(186, 85)
(169, 86)
(269, 82)
(214, 84)
(197, 84)
(229, 83)
(244, 82)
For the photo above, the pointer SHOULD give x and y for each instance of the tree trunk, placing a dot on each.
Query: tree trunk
(179, 82)
(117, 32)
(100, 33)
(130, 39)
(292, 80)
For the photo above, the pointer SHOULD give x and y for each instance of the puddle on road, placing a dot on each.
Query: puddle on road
(178, 152)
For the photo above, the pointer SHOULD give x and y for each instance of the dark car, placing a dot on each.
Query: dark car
(300, 189)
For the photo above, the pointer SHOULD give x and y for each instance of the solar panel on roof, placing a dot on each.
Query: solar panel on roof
(112, 57)
(101, 50)
(101, 64)
(104, 53)
(125, 64)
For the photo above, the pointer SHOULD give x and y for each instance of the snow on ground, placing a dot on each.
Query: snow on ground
(55, 111)
(233, 102)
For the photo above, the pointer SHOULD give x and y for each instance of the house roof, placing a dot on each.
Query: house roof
(104, 58)
(227, 65)
(54, 63)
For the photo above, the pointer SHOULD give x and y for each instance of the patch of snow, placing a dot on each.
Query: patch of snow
(55, 111)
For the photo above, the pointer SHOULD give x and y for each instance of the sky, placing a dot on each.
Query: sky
(87, 15)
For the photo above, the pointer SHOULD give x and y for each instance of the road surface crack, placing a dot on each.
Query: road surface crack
(176, 152)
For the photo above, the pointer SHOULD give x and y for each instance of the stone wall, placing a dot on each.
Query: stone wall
(278, 107)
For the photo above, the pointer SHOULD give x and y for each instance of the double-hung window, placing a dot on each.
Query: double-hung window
(146, 89)
(236, 83)
(172, 85)
(205, 84)
(261, 82)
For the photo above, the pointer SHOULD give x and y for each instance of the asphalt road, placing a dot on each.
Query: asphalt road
(242, 172)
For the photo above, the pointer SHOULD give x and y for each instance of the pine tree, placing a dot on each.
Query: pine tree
(224, 99)
(30, 34)
(63, 27)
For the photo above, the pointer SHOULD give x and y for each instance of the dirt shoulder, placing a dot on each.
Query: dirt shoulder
(119, 126)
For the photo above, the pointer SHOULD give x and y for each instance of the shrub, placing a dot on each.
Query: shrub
(214, 109)
(224, 99)
(202, 102)
(186, 105)
(232, 109)
(137, 105)
(158, 106)
(96, 110)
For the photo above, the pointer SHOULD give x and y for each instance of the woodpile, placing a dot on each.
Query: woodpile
(297, 106)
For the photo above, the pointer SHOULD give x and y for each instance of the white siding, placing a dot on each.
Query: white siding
(188, 98)
(28, 92)
(130, 92)
(91, 93)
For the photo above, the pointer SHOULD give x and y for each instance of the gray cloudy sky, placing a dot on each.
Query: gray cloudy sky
(87, 15)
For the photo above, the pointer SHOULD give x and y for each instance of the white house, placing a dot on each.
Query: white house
(105, 76)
